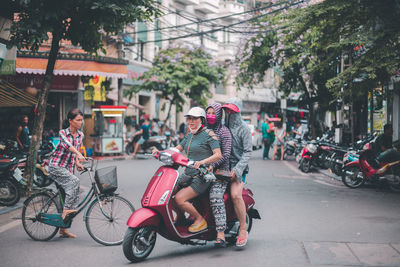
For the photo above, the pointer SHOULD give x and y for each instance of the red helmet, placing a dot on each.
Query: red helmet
(231, 106)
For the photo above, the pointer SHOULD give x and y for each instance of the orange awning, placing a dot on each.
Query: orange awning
(71, 67)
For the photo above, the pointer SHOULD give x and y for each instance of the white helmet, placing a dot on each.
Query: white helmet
(196, 112)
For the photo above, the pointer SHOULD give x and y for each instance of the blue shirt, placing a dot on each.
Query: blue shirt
(145, 133)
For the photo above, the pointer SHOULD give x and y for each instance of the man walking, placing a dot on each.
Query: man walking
(268, 137)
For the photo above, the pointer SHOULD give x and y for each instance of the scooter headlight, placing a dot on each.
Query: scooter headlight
(166, 158)
(312, 148)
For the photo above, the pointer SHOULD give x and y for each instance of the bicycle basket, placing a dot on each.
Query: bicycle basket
(106, 179)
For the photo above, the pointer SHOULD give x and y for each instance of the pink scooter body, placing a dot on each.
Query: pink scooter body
(156, 208)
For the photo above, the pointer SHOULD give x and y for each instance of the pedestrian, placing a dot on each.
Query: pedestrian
(280, 134)
(155, 128)
(267, 136)
(299, 131)
(63, 161)
(238, 162)
(22, 134)
(217, 189)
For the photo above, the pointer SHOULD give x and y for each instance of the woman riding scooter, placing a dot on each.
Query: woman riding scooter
(202, 146)
(217, 189)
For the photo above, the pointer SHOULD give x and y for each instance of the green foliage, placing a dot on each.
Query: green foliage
(307, 42)
(180, 72)
(83, 22)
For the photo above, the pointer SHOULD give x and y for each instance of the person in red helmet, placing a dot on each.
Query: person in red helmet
(238, 161)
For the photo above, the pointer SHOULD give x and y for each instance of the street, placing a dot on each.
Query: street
(307, 220)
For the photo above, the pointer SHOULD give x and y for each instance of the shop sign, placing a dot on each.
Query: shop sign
(7, 60)
(94, 91)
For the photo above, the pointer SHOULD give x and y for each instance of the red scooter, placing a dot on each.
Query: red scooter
(156, 214)
(369, 168)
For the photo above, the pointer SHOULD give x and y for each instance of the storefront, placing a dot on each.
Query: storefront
(67, 90)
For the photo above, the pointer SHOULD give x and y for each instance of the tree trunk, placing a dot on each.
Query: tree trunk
(310, 108)
(169, 111)
(41, 112)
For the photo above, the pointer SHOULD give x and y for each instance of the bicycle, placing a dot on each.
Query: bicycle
(105, 212)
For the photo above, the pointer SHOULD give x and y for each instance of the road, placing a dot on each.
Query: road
(307, 220)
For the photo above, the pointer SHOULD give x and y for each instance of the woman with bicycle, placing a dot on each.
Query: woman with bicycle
(62, 163)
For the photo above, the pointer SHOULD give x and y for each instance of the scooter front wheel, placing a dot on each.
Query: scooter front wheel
(138, 243)
(305, 165)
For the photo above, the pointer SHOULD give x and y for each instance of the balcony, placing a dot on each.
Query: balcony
(188, 2)
(208, 6)
(230, 7)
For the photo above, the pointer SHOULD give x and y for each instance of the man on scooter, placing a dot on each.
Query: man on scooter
(239, 160)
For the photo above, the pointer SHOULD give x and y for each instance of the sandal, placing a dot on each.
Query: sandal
(66, 234)
(194, 228)
(68, 214)
(220, 243)
(241, 241)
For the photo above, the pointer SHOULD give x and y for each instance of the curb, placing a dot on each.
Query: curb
(327, 173)
(19, 205)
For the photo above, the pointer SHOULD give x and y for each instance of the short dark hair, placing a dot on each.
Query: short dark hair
(70, 116)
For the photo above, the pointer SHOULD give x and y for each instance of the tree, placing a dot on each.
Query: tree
(311, 38)
(83, 22)
(180, 72)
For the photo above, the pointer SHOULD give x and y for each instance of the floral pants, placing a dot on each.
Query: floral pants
(217, 191)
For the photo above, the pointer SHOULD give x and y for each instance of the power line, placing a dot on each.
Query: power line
(224, 27)
(217, 18)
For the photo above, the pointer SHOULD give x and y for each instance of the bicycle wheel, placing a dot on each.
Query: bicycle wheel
(30, 216)
(106, 220)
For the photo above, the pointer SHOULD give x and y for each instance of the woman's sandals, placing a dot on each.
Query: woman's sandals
(242, 240)
(67, 214)
(65, 234)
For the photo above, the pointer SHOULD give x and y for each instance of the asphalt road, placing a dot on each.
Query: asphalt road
(307, 220)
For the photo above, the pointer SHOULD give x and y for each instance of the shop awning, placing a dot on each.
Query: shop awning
(72, 67)
(71, 64)
(10, 96)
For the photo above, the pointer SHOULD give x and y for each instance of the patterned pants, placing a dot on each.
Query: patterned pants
(70, 184)
(217, 191)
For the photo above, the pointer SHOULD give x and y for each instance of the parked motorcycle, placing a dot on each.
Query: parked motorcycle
(157, 141)
(385, 168)
(9, 188)
(308, 157)
(156, 214)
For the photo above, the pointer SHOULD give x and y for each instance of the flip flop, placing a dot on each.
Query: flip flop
(242, 241)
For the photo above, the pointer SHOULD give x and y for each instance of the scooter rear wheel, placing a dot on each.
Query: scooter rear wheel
(9, 192)
(138, 243)
(352, 177)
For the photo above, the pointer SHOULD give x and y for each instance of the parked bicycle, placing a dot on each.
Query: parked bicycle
(105, 212)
